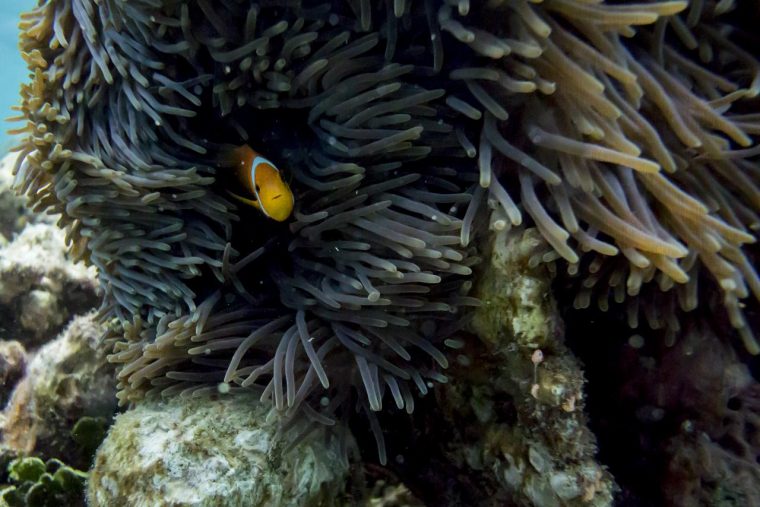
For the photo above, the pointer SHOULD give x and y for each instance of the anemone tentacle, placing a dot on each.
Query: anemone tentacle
(625, 133)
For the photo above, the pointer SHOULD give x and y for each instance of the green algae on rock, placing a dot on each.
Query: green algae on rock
(212, 451)
(36, 483)
(517, 307)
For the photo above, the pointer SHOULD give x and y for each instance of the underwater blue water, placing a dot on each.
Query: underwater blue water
(12, 67)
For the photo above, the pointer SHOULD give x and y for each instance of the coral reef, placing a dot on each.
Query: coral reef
(546, 454)
(40, 287)
(609, 145)
(35, 273)
(211, 451)
(608, 126)
(717, 464)
(674, 421)
(67, 379)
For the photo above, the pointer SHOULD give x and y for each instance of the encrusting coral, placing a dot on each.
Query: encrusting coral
(624, 132)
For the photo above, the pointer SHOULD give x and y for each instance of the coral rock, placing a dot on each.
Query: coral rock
(212, 452)
(67, 379)
(40, 287)
(12, 364)
(513, 412)
(40, 310)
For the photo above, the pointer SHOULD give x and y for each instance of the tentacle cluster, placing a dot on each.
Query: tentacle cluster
(636, 143)
(624, 132)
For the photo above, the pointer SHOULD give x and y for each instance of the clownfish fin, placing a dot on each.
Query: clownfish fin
(249, 202)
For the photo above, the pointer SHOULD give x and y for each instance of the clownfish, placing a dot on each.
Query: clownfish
(263, 181)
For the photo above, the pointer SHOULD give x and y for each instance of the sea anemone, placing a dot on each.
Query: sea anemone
(623, 132)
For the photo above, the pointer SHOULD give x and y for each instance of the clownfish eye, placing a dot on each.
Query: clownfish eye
(258, 188)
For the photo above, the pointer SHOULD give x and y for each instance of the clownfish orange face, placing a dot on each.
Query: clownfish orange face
(264, 182)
